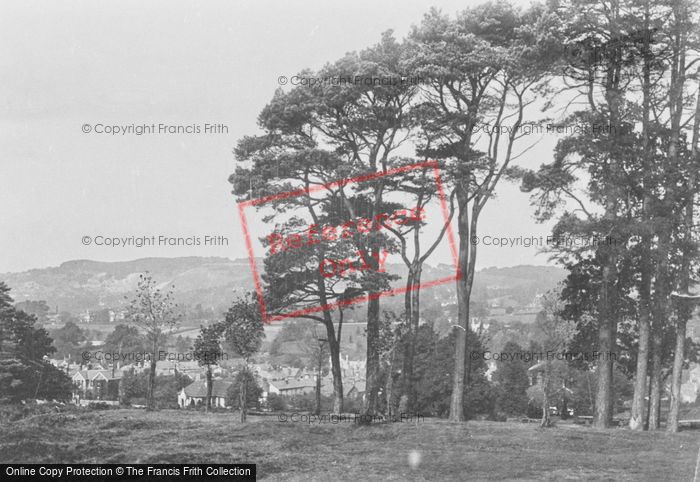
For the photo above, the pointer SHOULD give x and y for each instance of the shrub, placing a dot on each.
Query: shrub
(253, 391)
(276, 402)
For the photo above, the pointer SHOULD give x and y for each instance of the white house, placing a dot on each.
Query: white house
(195, 393)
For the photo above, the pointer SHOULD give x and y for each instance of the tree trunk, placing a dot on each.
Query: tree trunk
(564, 414)
(243, 395)
(463, 295)
(685, 307)
(415, 300)
(655, 382)
(607, 316)
(209, 388)
(318, 382)
(660, 312)
(151, 388)
(412, 305)
(672, 422)
(373, 366)
(606, 343)
(640, 381)
(546, 421)
(678, 76)
(410, 345)
(388, 389)
(334, 348)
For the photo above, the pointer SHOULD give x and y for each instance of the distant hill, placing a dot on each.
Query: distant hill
(521, 282)
(76, 286)
(79, 285)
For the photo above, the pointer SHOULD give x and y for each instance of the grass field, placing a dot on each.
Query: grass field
(345, 451)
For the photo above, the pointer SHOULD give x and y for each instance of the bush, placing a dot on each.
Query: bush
(480, 399)
(10, 412)
(534, 410)
(304, 403)
(498, 417)
(276, 402)
(134, 388)
(21, 381)
(253, 391)
(353, 405)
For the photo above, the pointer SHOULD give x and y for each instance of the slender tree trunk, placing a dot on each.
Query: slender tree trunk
(318, 378)
(415, 300)
(243, 395)
(373, 367)
(685, 307)
(606, 344)
(151, 388)
(546, 421)
(410, 345)
(412, 308)
(463, 295)
(336, 371)
(660, 312)
(607, 308)
(209, 388)
(413, 321)
(389, 388)
(467, 265)
(640, 381)
(678, 77)
(334, 348)
(672, 422)
(638, 421)
(659, 315)
(654, 415)
(564, 414)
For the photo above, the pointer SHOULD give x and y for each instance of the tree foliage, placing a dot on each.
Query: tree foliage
(24, 372)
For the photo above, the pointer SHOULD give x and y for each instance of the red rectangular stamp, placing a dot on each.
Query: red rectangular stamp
(333, 251)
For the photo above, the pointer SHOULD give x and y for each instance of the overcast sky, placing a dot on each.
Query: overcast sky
(66, 64)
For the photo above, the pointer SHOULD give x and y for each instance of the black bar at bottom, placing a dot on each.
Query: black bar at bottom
(117, 472)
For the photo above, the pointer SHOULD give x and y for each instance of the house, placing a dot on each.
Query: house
(194, 370)
(64, 365)
(357, 390)
(166, 367)
(282, 373)
(97, 384)
(292, 387)
(195, 393)
(327, 388)
(690, 387)
(535, 374)
(478, 325)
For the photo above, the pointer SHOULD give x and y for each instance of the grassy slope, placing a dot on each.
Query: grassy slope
(298, 451)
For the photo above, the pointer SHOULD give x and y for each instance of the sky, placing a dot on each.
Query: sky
(70, 67)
